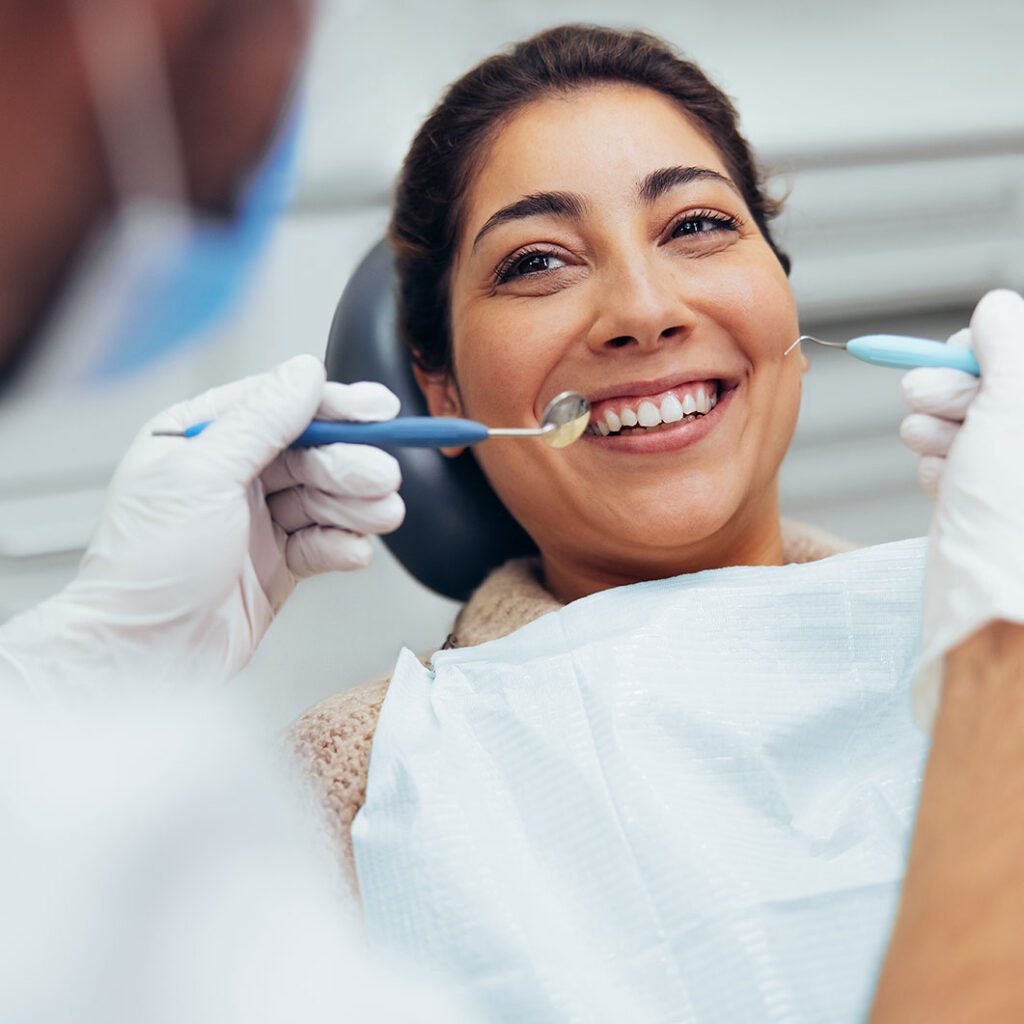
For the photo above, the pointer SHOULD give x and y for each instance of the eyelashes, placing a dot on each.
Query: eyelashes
(719, 222)
(536, 260)
(516, 265)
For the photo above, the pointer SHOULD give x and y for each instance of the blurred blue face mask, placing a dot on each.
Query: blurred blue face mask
(159, 272)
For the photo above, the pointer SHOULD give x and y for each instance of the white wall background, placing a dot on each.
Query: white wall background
(898, 127)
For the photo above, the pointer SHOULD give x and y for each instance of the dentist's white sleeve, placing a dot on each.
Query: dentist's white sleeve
(158, 866)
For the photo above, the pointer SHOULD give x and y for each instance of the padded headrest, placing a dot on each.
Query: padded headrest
(456, 530)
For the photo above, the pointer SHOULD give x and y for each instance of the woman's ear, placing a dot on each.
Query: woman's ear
(442, 398)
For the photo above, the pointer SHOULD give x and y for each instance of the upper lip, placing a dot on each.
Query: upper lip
(641, 388)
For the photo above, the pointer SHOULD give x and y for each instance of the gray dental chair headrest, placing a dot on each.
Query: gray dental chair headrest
(456, 530)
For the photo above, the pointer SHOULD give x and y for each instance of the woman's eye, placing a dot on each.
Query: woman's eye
(702, 225)
(530, 263)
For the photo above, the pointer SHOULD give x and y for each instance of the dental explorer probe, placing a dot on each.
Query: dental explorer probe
(901, 353)
(564, 420)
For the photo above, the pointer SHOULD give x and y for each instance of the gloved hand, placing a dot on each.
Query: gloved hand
(938, 398)
(202, 540)
(975, 569)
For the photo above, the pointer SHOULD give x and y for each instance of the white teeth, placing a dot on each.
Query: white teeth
(648, 415)
(699, 402)
(671, 410)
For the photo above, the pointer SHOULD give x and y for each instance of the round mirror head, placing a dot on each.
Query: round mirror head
(565, 419)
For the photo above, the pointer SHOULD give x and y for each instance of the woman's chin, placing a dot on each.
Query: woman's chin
(673, 522)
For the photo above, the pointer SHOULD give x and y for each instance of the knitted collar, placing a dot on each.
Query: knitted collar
(513, 595)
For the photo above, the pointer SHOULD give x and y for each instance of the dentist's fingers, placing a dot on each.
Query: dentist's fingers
(938, 391)
(207, 406)
(357, 470)
(939, 399)
(929, 473)
(365, 401)
(275, 408)
(325, 549)
(300, 507)
(928, 435)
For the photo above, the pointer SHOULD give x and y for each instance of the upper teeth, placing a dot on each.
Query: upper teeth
(649, 412)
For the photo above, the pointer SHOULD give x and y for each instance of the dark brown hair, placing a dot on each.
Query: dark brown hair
(428, 206)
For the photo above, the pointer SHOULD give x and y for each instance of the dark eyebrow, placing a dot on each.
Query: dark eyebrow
(551, 204)
(572, 206)
(657, 183)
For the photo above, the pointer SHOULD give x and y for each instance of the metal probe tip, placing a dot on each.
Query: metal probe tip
(817, 341)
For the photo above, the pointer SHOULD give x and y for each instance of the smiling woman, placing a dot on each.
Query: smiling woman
(645, 298)
(582, 213)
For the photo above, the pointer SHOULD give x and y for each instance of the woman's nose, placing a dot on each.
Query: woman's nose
(640, 308)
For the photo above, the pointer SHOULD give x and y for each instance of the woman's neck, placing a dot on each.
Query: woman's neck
(751, 538)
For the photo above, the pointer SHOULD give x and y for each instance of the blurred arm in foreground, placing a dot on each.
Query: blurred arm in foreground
(956, 952)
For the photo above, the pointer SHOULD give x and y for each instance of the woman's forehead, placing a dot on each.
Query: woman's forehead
(600, 143)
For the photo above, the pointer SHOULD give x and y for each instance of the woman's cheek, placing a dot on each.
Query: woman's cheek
(751, 283)
(781, 412)
(488, 365)
(507, 355)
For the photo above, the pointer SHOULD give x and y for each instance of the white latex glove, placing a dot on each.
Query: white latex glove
(975, 569)
(192, 559)
(938, 399)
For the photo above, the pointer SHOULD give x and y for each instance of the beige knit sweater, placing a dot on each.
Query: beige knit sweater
(333, 739)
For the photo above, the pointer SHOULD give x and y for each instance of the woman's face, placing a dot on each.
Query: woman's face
(606, 250)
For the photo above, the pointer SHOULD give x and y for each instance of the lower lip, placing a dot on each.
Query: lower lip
(668, 439)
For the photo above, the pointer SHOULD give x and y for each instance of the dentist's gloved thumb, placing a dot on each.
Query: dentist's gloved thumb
(997, 334)
(250, 433)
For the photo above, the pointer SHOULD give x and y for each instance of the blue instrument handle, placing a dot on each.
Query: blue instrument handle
(405, 432)
(907, 353)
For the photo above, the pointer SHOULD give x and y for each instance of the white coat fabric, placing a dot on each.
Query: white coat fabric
(158, 865)
(684, 800)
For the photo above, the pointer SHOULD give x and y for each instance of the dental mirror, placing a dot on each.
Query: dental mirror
(564, 420)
